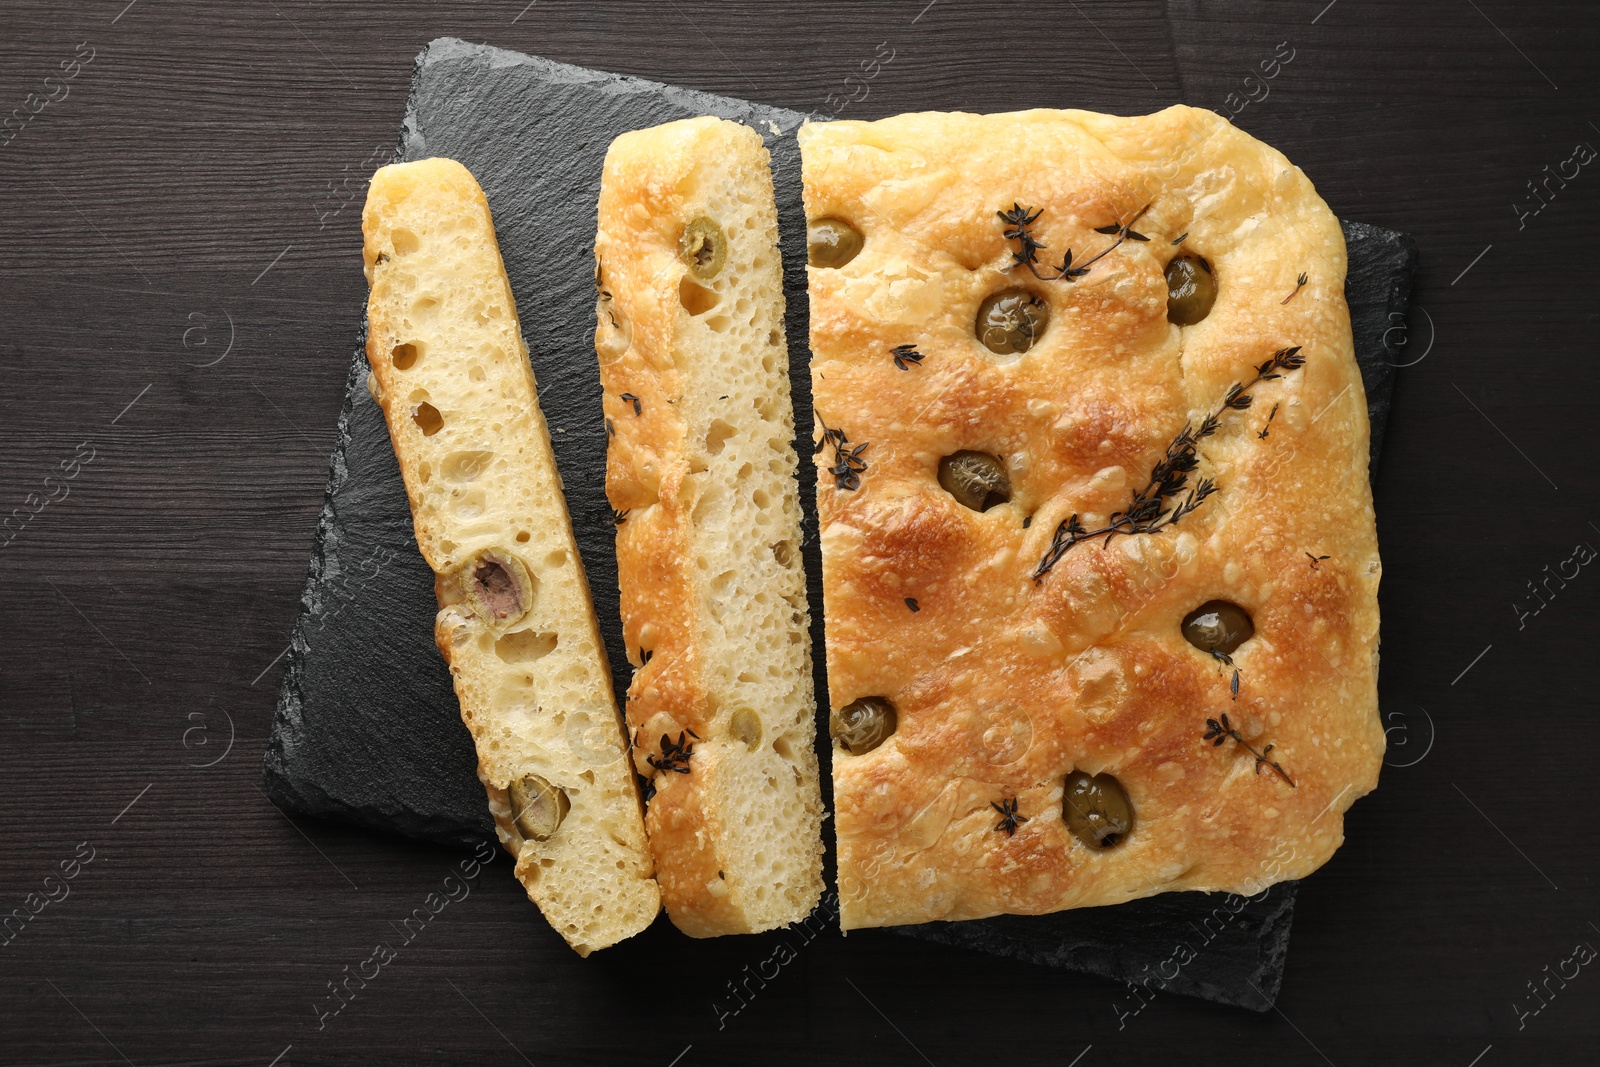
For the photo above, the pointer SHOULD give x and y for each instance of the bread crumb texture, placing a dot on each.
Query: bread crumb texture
(701, 470)
(1004, 687)
(515, 622)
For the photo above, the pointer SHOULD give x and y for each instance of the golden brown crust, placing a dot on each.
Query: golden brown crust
(1004, 685)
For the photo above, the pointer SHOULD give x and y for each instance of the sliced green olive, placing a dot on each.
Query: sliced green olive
(1218, 626)
(745, 725)
(1191, 290)
(537, 806)
(703, 248)
(977, 479)
(1096, 809)
(832, 243)
(1011, 321)
(862, 725)
(499, 586)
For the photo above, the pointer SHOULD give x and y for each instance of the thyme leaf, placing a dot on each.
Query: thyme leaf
(1009, 819)
(674, 754)
(847, 462)
(906, 354)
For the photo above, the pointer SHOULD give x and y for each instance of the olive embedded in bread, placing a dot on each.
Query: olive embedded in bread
(1191, 290)
(1096, 809)
(977, 479)
(745, 725)
(703, 248)
(1011, 321)
(864, 724)
(1218, 626)
(537, 806)
(832, 243)
(499, 587)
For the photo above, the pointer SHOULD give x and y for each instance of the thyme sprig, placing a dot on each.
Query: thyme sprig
(1009, 819)
(905, 355)
(1150, 511)
(1299, 284)
(1219, 732)
(847, 462)
(1124, 231)
(1019, 221)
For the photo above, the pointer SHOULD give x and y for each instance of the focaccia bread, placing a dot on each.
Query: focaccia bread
(701, 474)
(1099, 555)
(515, 623)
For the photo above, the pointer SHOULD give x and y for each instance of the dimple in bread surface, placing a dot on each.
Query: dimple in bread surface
(1005, 685)
(701, 469)
(451, 372)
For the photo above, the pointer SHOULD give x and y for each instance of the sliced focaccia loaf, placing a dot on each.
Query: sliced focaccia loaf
(515, 623)
(1100, 565)
(701, 472)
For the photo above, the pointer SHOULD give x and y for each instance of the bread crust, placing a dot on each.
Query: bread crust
(1004, 685)
(451, 373)
(696, 396)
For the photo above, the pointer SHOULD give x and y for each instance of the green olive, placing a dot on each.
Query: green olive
(977, 479)
(703, 248)
(498, 586)
(1218, 626)
(1096, 809)
(832, 243)
(1191, 290)
(862, 725)
(1011, 321)
(745, 725)
(537, 806)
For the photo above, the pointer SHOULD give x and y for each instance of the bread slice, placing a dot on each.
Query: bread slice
(1058, 332)
(515, 623)
(701, 471)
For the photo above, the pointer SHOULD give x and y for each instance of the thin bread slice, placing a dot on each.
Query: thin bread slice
(515, 623)
(701, 472)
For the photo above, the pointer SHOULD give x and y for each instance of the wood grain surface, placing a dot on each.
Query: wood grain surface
(179, 283)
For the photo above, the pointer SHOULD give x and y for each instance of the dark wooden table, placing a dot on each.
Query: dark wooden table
(179, 289)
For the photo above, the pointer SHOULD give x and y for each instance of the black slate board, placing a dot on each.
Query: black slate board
(367, 731)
